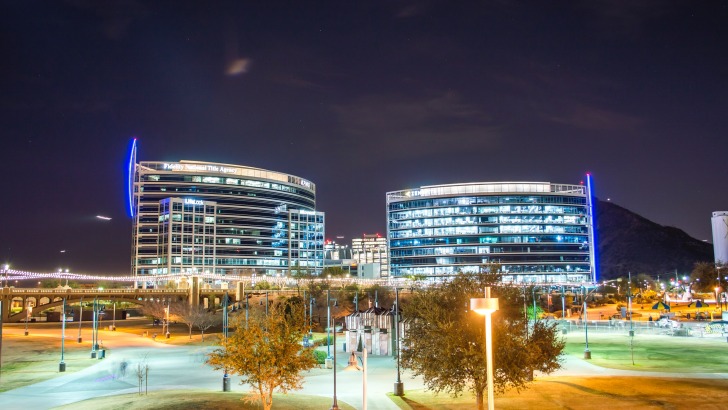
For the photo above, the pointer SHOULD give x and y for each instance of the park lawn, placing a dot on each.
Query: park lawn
(199, 399)
(608, 392)
(32, 359)
(654, 353)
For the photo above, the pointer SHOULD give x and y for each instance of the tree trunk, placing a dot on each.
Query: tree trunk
(479, 400)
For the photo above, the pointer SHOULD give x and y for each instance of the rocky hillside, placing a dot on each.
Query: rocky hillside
(630, 243)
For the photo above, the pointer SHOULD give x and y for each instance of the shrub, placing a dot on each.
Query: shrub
(325, 341)
(320, 356)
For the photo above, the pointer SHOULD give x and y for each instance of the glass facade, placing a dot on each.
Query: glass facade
(194, 217)
(371, 249)
(537, 231)
(306, 240)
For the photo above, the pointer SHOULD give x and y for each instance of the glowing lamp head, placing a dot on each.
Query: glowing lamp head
(484, 306)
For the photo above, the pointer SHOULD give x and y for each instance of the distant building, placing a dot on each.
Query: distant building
(537, 231)
(194, 217)
(338, 255)
(720, 236)
(371, 249)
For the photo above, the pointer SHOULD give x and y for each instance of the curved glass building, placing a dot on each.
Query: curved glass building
(537, 231)
(192, 217)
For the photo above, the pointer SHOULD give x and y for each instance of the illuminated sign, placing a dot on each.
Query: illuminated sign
(220, 169)
(200, 168)
(190, 201)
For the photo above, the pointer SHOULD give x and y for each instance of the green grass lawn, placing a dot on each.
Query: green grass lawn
(200, 399)
(592, 393)
(653, 353)
(29, 359)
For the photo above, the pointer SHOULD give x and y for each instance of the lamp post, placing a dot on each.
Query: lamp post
(80, 320)
(225, 376)
(62, 364)
(587, 352)
(28, 311)
(398, 386)
(93, 330)
(247, 308)
(311, 302)
(335, 404)
(169, 305)
(328, 324)
(486, 306)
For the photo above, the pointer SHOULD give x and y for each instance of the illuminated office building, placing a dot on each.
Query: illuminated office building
(371, 249)
(195, 217)
(537, 231)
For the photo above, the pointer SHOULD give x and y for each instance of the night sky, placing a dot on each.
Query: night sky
(361, 98)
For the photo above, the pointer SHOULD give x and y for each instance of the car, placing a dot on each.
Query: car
(667, 323)
(702, 316)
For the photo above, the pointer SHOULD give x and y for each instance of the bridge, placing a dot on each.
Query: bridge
(43, 298)
(195, 289)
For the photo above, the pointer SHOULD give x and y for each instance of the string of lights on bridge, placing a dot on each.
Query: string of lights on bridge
(14, 274)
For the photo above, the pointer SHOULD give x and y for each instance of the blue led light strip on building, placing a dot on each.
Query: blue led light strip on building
(593, 230)
(131, 172)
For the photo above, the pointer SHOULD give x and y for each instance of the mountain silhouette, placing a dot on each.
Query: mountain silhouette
(628, 242)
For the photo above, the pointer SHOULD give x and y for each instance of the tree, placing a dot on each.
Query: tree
(704, 277)
(383, 295)
(445, 341)
(267, 353)
(153, 309)
(299, 275)
(204, 319)
(334, 272)
(185, 313)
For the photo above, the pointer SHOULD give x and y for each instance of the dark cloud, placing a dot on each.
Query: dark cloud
(412, 127)
(114, 17)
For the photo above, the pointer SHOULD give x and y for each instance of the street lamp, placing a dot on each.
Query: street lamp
(80, 320)
(166, 320)
(587, 352)
(353, 366)
(486, 306)
(398, 386)
(62, 364)
(225, 376)
(28, 311)
(334, 405)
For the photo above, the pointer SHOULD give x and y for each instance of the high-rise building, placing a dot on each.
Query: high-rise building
(719, 222)
(371, 249)
(536, 231)
(339, 256)
(194, 217)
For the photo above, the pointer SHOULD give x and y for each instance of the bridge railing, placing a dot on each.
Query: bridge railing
(57, 291)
